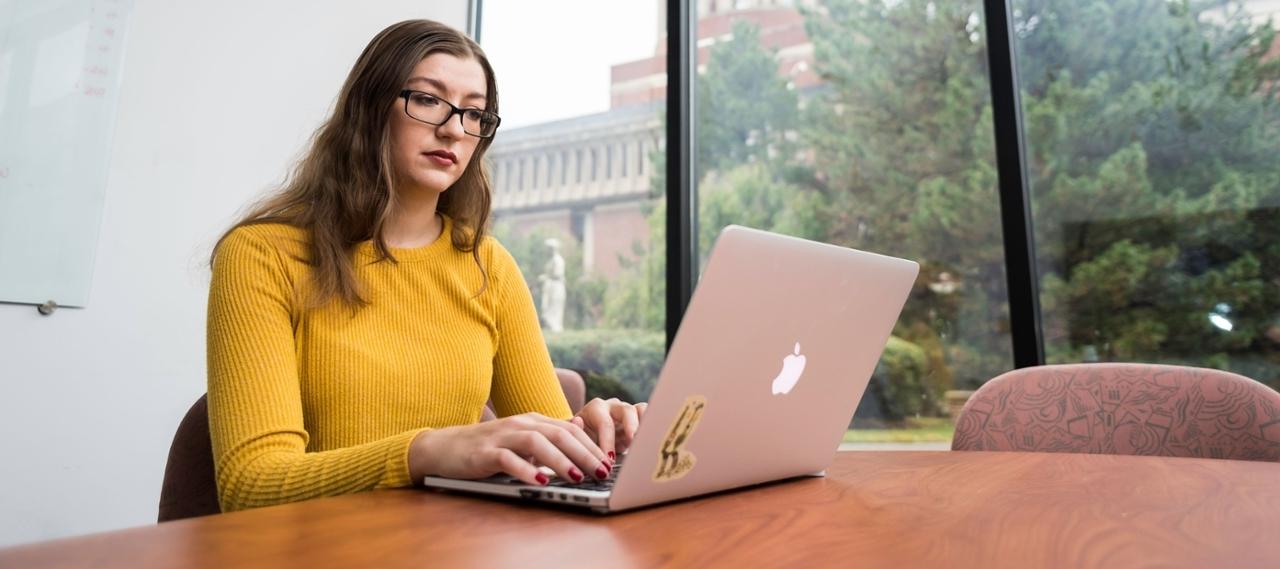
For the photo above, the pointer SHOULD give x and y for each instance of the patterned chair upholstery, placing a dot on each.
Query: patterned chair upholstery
(1131, 409)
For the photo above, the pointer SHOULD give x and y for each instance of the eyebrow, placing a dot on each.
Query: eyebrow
(441, 86)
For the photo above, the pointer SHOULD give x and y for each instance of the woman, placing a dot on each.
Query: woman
(360, 317)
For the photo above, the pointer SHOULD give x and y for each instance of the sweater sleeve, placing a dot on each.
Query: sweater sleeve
(255, 405)
(523, 377)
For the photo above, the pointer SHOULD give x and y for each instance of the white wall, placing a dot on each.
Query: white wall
(218, 98)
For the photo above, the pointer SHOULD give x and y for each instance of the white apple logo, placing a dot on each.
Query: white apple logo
(792, 367)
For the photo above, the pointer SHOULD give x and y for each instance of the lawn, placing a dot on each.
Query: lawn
(918, 430)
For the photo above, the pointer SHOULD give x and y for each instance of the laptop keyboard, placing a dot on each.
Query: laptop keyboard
(588, 483)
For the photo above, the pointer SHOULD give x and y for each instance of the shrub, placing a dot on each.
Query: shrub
(631, 357)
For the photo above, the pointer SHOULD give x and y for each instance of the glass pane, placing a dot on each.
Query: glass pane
(867, 124)
(573, 180)
(1153, 133)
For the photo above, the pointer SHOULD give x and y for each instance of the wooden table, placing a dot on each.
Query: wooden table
(874, 509)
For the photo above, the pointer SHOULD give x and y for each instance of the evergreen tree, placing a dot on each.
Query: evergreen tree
(1152, 132)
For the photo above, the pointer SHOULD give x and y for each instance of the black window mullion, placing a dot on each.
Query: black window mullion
(681, 50)
(1015, 201)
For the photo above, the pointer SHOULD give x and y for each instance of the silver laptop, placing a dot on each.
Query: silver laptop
(774, 352)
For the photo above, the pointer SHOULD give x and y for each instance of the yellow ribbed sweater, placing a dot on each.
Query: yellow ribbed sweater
(320, 402)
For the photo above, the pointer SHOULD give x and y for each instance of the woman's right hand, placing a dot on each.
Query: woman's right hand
(511, 445)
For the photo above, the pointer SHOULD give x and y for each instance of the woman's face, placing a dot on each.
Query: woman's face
(429, 157)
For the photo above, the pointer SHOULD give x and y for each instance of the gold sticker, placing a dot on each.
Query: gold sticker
(674, 460)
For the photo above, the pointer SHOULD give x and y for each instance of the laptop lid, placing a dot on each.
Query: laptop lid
(773, 354)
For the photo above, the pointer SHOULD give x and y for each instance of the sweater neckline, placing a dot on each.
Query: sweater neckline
(410, 254)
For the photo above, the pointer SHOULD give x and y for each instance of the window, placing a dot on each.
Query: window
(882, 145)
(610, 322)
(1152, 131)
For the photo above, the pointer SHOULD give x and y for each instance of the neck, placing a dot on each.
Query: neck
(413, 222)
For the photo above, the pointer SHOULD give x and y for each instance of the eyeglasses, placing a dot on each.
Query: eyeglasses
(433, 110)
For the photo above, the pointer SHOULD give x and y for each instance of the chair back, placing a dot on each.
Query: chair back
(190, 489)
(1123, 408)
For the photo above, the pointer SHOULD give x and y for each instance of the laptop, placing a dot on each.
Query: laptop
(775, 350)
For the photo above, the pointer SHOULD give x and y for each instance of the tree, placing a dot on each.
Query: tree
(744, 115)
(744, 110)
(1152, 129)
(903, 150)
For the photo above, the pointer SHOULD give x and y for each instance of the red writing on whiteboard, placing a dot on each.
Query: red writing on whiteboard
(96, 70)
(4, 173)
(109, 32)
(95, 91)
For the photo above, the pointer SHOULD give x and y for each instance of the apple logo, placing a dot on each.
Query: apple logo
(792, 367)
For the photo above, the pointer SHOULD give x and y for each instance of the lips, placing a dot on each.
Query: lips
(443, 155)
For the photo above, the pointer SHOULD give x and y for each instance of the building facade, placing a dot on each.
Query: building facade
(590, 177)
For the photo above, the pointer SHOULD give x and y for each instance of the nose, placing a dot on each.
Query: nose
(451, 128)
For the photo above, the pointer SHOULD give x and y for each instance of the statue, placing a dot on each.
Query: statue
(553, 288)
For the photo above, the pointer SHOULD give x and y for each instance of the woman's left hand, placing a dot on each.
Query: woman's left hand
(611, 423)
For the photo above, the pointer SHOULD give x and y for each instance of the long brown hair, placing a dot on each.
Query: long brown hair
(342, 191)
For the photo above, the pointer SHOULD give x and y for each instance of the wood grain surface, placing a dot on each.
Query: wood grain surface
(901, 509)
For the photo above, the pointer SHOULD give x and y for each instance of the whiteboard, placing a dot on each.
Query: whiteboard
(59, 81)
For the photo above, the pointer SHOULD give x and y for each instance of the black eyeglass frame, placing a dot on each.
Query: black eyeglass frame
(406, 94)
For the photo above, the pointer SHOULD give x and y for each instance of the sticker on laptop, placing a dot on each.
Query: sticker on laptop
(674, 460)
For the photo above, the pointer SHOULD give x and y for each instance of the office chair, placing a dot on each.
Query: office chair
(1123, 408)
(190, 490)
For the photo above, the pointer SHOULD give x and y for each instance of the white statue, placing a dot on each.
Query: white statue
(553, 288)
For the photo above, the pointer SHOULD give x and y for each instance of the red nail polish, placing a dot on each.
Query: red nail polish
(542, 479)
(575, 474)
(612, 456)
(602, 472)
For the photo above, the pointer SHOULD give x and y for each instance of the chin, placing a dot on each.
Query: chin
(435, 182)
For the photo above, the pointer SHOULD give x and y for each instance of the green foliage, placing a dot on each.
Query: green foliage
(903, 150)
(903, 373)
(912, 430)
(632, 357)
(1152, 133)
(637, 298)
(604, 387)
(743, 108)
(749, 195)
(1152, 129)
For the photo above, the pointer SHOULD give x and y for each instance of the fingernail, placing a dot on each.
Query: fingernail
(602, 472)
(612, 456)
(575, 474)
(542, 479)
